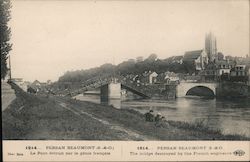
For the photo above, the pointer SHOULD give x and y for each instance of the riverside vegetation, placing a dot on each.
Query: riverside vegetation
(52, 117)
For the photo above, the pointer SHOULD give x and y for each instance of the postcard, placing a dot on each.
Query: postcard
(120, 80)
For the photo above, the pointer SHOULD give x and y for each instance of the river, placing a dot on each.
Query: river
(230, 116)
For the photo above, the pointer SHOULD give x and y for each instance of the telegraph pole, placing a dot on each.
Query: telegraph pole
(113, 60)
(10, 67)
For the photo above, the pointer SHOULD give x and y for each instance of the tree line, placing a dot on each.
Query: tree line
(131, 66)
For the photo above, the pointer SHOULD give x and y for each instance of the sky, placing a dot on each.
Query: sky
(54, 36)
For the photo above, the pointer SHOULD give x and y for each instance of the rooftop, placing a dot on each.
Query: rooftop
(225, 62)
(192, 55)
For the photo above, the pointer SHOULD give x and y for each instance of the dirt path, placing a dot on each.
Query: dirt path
(8, 95)
(127, 133)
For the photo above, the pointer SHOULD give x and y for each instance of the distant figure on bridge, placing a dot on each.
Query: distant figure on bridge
(149, 116)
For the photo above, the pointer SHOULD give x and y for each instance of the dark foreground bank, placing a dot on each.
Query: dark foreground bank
(50, 117)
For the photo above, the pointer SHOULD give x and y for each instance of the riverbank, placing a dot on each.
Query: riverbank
(51, 117)
(232, 90)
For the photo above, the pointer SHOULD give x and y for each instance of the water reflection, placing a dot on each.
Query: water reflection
(111, 101)
(97, 99)
(230, 116)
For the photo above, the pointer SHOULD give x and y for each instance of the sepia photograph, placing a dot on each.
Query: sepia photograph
(124, 70)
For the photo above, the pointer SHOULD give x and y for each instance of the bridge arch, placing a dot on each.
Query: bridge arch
(200, 91)
(185, 87)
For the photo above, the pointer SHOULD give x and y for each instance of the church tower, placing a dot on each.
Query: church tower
(211, 46)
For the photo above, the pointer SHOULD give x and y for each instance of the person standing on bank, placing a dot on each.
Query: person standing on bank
(149, 116)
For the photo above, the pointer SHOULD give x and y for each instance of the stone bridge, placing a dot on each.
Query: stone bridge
(184, 87)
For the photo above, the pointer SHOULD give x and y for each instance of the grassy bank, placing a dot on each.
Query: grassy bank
(39, 117)
(43, 117)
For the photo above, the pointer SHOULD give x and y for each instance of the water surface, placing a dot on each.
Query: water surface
(230, 116)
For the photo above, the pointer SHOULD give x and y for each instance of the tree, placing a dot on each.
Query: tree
(152, 57)
(5, 33)
(139, 59)
(220, 56)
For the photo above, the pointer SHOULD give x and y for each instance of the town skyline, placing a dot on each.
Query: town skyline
(59, 47)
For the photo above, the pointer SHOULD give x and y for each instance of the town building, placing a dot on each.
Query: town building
(161, 78)
(36, 83)
(243, 60)
(239, 60)
(211, 46)
(195, 61)
(168, 78)
(240, 73)
(152, 77)
(38, 86)
(218, 70)
(148, 77)
(34, 86)
(172, 78)
(210, 72)
(224, 66)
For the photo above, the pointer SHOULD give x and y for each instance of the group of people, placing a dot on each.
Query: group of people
(159, 120)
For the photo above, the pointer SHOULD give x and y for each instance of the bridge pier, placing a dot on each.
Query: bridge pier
(112, 90)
